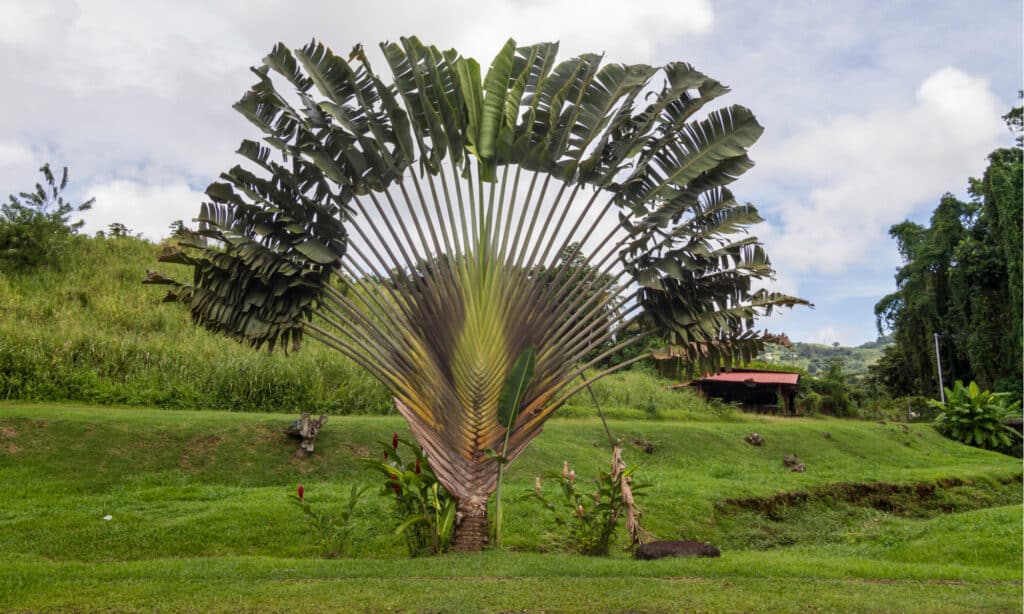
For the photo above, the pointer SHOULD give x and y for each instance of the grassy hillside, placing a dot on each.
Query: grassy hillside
(89, 331)
(201, 519)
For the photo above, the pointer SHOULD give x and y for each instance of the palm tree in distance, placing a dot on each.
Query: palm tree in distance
(403, 224)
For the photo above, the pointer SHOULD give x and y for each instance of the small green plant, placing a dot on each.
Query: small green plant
(332, 532)
(977, 417)
(424, 508)
(589, 518)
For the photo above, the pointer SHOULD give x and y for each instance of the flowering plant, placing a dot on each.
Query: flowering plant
(591, 518)
(332, 532)
(424, 509)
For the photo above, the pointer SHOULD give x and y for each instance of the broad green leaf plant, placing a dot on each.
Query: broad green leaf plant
(977, 417)
(401, 222)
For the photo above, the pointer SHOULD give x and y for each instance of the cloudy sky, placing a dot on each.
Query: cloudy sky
(872, 109)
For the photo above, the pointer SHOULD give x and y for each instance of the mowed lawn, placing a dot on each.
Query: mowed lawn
(201, 520)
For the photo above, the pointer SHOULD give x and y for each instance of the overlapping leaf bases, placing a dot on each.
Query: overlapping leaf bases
(404, 224)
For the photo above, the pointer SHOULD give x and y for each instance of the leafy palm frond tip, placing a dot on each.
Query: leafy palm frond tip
(406, 224)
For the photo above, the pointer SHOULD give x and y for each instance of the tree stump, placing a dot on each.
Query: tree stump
(306, 429)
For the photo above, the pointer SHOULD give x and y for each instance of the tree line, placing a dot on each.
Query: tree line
(961, 281)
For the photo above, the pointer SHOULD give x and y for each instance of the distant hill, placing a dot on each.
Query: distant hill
(814, 357)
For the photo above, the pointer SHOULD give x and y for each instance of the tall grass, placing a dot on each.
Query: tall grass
(640, 393)
(87, 330)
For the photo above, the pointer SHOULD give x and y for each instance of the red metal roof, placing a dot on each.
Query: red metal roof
(758, 377)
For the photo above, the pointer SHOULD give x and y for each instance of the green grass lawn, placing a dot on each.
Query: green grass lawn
(201, 520)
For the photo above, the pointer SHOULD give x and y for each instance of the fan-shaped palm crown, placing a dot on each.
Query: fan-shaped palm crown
(421, 227)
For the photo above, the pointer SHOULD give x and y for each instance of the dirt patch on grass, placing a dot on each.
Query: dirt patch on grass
(915, 499)
(12, 449)
(305, 465)
(264, 433)
(358, 451)
(199, 452)
(8, 432)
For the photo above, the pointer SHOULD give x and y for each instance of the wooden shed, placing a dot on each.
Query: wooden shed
(760, 391)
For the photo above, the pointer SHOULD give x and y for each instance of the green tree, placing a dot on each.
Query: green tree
(499, 171)
(987, 280)
(34, 225)
(117, 230)
(892, 372)
(830, 391)
(961, 279)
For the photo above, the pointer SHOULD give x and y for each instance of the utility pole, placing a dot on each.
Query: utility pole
(938, 365)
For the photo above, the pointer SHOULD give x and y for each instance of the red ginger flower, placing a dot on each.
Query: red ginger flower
(302, 492)
(417, 468)
(394, 440)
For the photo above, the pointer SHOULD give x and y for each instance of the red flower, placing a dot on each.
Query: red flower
(394, 441)
(417, 468)
(302, 492)
(397, 488)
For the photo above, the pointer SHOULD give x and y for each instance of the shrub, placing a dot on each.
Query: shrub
(976, 417)
(424, 509)
(810, 403)
(588, 519)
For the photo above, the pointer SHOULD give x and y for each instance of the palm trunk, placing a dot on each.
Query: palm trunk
(472, 528)
(471, 482)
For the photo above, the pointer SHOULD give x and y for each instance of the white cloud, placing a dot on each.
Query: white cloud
(826, 335)
(14, 154)
(24, 22)
(866, 172)
(135, 98)
(627, 32)
(146, 209)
